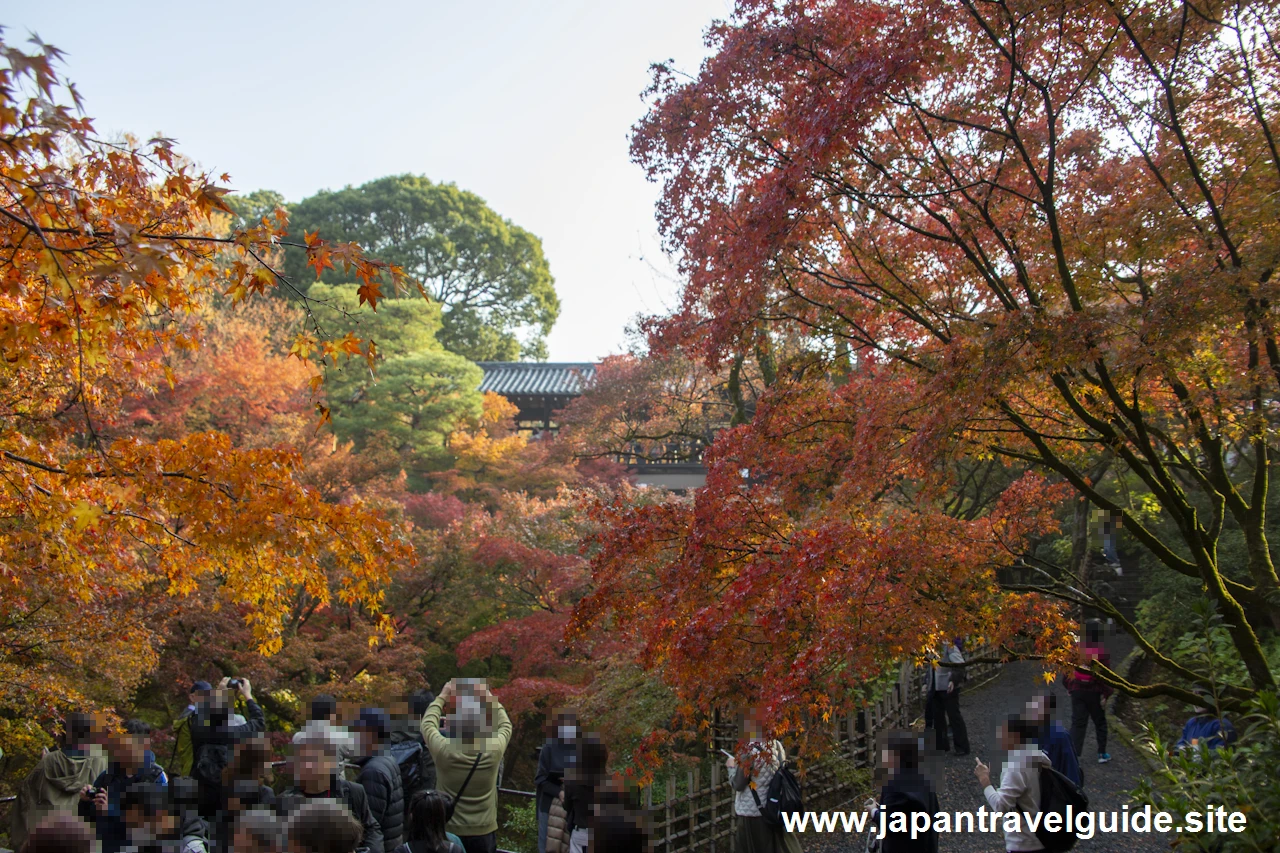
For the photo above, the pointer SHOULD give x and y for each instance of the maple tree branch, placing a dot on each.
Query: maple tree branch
(1175, 124)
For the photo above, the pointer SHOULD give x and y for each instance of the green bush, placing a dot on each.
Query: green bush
(1240, 778)
(519, 828)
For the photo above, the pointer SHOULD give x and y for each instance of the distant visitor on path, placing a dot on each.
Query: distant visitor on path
(750, 772)
(1088, 693)
(1019, 789)
(946, 698)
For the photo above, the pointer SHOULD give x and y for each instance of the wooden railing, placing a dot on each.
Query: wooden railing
(696, 813)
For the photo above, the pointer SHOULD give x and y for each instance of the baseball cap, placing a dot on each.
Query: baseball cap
(373, 719)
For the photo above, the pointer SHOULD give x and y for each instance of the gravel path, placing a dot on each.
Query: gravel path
(984, 708)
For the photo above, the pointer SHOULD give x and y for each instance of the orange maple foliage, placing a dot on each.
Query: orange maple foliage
(110, 253)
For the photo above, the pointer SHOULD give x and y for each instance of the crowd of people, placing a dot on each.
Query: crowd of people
(424, 775)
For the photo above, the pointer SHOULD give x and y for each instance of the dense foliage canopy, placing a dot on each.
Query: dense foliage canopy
(112, 253)
(1032, 233)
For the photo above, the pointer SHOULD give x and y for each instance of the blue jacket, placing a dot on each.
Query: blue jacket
(111, 830)
(1056, 744)
(1211, 732)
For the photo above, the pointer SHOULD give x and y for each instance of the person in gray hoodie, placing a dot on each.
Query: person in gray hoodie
(54, 785)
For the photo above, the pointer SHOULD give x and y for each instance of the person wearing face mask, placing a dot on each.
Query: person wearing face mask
(554, 756)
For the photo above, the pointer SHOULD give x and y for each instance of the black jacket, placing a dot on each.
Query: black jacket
(351, 795)
(213, 742)
(909, 792)
(110, 827)
(579, 797)
(553, 758)
(192, 838)
(380, 777)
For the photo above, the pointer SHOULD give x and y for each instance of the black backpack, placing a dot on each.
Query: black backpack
(407, 755)
(783, 797)
(209, 761)
(1056, 793)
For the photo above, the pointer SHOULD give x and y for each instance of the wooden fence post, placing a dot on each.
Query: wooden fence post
(669, 809)
(715, 797)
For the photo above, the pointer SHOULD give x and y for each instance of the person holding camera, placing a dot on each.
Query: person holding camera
(468, 759)
(214, 735)
(132, 763)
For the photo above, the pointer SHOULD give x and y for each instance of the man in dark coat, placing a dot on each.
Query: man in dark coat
(907, 790)
(380, 775)
(317, 777)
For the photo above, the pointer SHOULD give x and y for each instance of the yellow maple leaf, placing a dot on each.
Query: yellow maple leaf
(85, 515)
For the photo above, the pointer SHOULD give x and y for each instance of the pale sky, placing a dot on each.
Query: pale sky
(527, 104)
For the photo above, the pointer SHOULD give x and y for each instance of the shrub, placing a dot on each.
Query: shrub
(1240, 778)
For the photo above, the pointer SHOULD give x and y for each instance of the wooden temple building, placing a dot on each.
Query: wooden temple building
(541, 389)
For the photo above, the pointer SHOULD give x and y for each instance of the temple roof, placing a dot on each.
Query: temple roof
(536, 378)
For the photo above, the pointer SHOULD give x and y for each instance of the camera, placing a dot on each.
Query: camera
(95, 791)
(235, 683)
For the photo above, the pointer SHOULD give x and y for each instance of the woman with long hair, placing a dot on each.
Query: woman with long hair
(244, 787)
(428, 814)
(583, 778)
